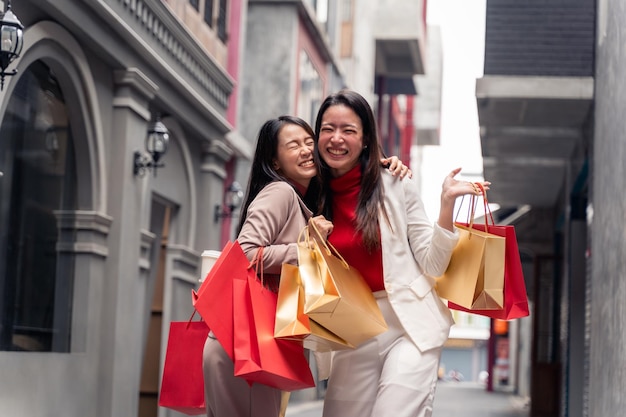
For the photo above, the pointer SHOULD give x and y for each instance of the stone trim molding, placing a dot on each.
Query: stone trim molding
(83, 232)
(145, 249)
(184, 263)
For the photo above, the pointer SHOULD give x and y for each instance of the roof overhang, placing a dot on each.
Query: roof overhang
(400, 36)
(399, 57)
(530, 127)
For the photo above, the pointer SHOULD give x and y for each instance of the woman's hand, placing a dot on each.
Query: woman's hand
(325, 227)
(450, 190)
(396, 167)
(453, 188)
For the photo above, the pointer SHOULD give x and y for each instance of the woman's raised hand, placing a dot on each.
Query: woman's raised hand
(453, 188)
(450, 190)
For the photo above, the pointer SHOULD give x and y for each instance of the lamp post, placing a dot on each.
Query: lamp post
(11, 42)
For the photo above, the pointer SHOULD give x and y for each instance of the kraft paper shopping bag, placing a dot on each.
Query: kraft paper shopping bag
(291, 321)
(475, 275)
(336, 295)
(515, 296)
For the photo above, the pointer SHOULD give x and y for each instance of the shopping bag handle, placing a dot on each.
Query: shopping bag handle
(485, 203)
(303, 236)
(191, 318)
(330, 249)
(471, 211)
(257, 263)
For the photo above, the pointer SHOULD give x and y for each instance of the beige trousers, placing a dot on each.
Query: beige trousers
(386, 376)
(229, 396)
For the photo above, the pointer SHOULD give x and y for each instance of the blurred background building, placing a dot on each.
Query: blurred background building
(128, 129)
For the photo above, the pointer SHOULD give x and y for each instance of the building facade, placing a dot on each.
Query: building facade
(550, 109)
(95, 258)
(604, 292)
(98, 254)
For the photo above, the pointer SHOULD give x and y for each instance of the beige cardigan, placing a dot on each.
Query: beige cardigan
(274, 220)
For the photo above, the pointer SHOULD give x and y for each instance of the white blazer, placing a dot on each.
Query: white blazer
(415, 251)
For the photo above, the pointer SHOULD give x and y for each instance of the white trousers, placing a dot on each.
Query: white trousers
(386, 376)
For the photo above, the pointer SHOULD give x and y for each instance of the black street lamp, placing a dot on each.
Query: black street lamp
(11, 42)
(233, 199)
(157, 140)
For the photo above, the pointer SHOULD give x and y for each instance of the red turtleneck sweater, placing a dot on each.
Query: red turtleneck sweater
(345, 237)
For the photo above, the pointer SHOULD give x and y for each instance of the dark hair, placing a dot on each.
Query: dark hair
(371, 194)
(262, 171)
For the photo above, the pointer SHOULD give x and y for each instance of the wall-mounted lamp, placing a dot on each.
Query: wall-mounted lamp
(11, 42)
(157, 140)
(232, 201)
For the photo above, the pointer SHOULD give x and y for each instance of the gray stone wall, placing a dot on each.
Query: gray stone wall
(270, 65)
(608, 231)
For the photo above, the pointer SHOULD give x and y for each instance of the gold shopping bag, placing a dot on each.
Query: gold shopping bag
(291, 322)
(474, 278)
(336, 295)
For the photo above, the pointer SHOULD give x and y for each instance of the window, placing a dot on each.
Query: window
(346, 29)
(217, 19)
(320, 7)
(221, 21)
(37, 180)
(208, 12)
(195, 4)
(346, 11)
(311, 89)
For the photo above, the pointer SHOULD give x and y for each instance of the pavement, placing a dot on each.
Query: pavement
(452, 399)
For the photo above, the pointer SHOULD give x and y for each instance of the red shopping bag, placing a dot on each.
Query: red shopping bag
(259, 357)
(182, 385)
(214, 298)
(515, 298)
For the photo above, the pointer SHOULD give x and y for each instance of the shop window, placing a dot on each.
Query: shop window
(37, 181)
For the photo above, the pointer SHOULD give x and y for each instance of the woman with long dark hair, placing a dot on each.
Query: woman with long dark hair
(380, 227)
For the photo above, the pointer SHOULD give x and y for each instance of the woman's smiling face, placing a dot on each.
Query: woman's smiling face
(340, 141)
(294, 156)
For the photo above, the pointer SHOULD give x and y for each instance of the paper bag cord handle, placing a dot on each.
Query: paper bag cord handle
(303, 236)
(329, 247)
(191, 318)
(456, 217)
(486, 204)
(471, 210)
(257, 262)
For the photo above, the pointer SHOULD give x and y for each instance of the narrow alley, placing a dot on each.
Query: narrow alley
(453, 399)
